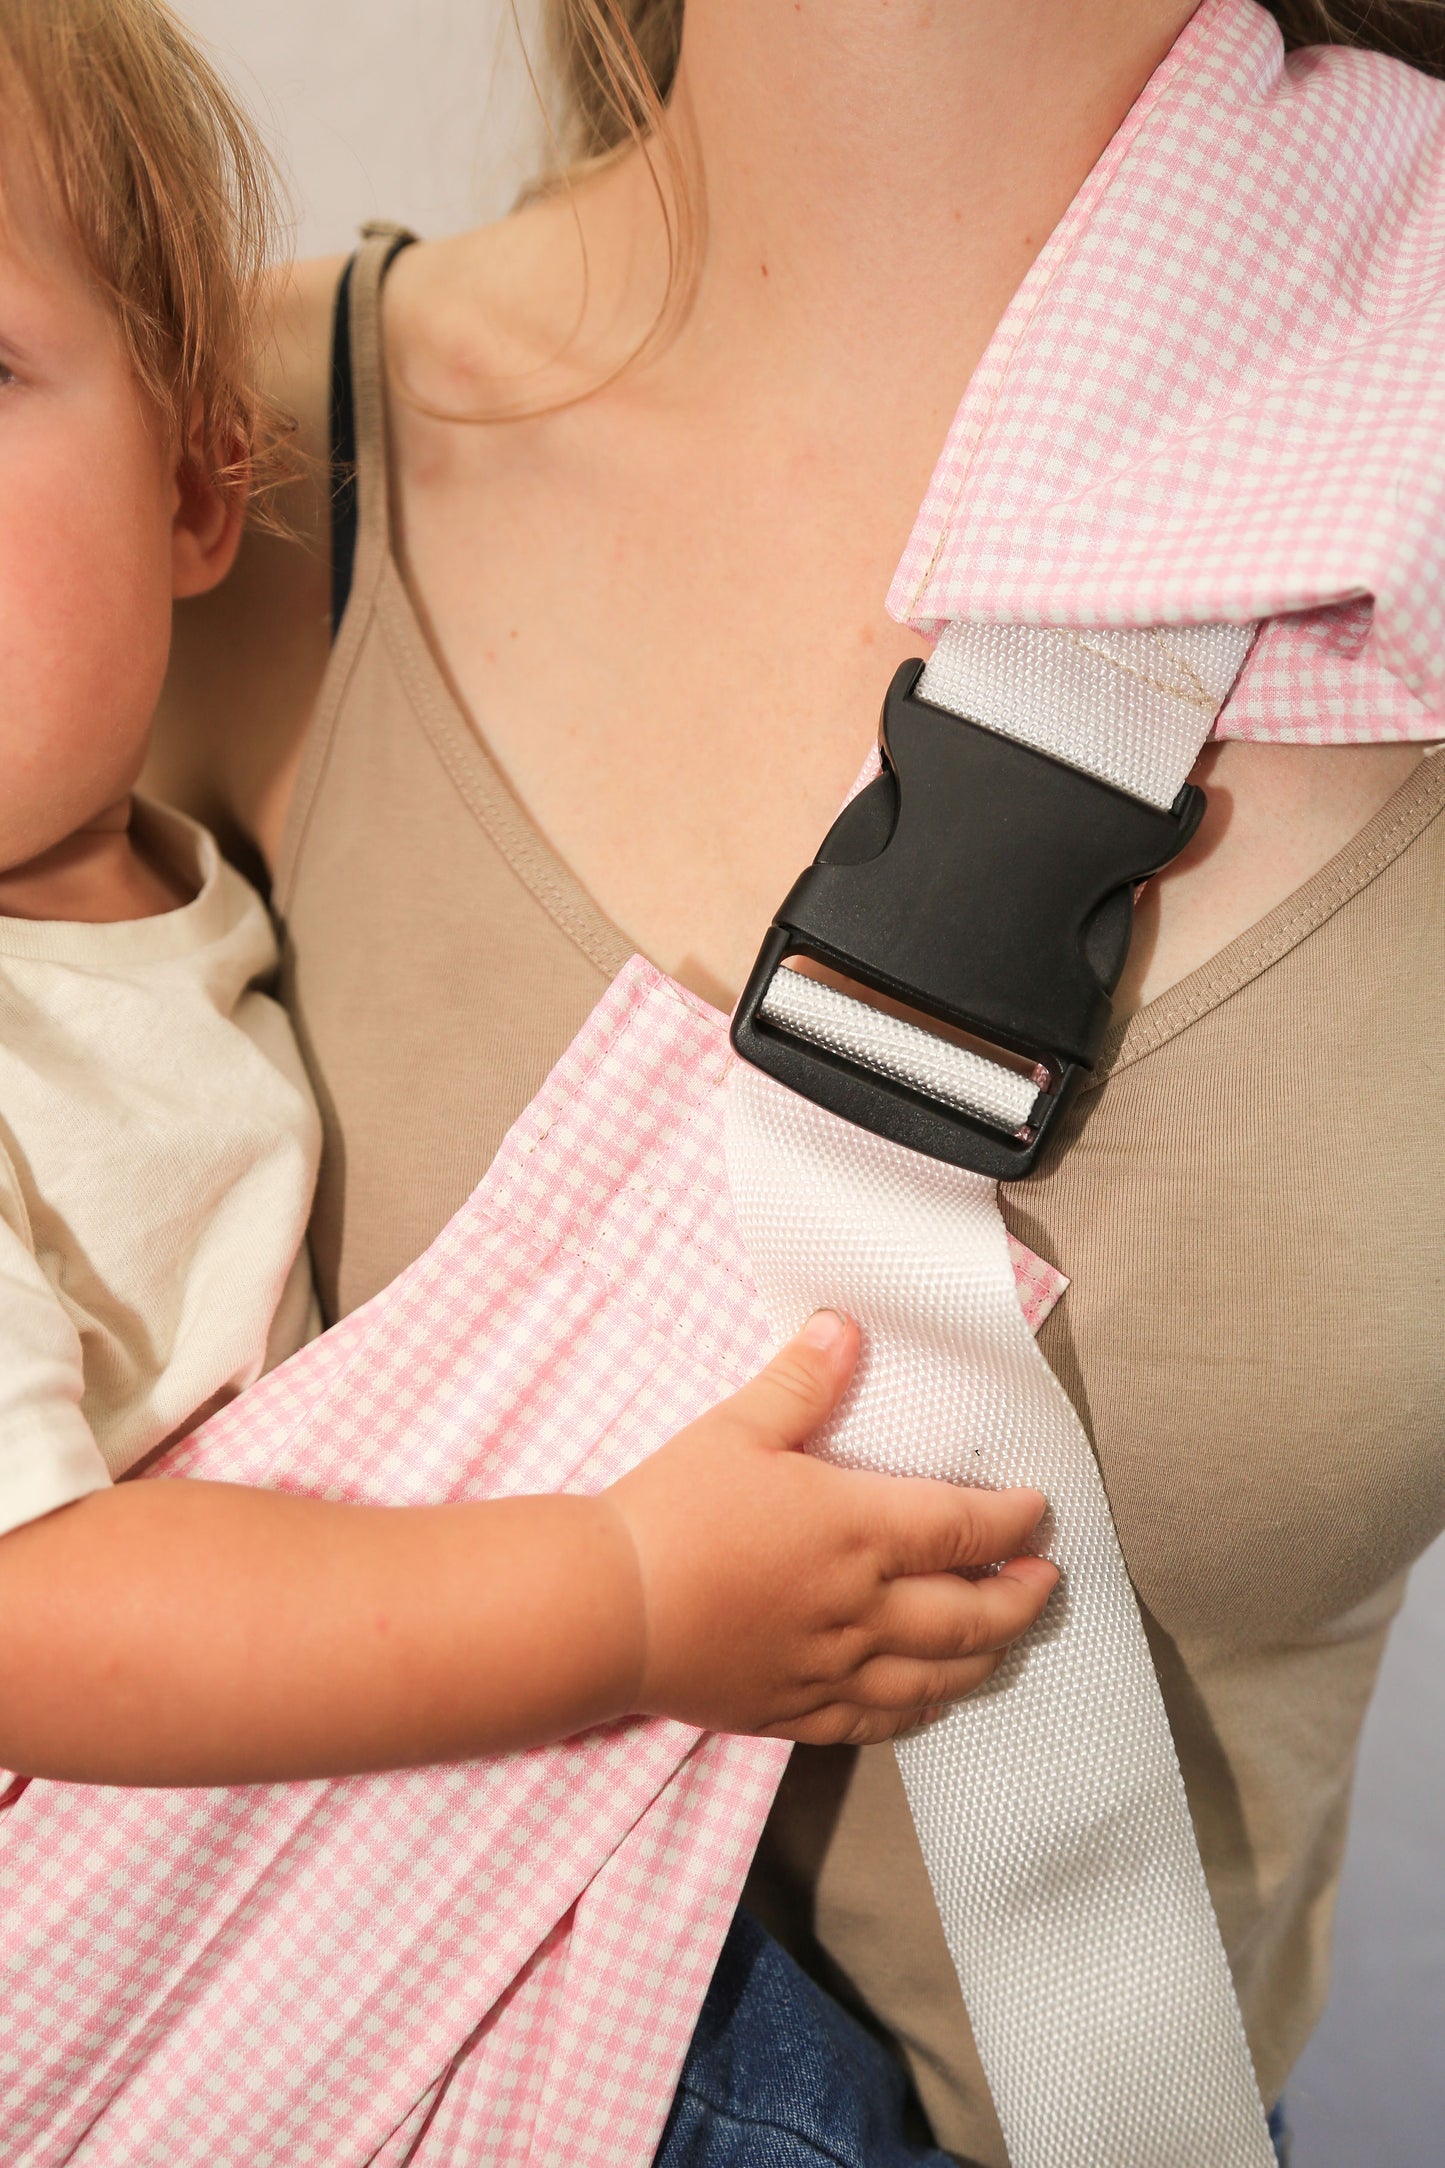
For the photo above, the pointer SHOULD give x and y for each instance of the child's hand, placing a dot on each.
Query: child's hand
(730, 1580)
(783, 1595)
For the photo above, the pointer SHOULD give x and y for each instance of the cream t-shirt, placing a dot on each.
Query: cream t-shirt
(158, 1149)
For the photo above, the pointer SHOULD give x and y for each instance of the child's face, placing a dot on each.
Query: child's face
(98, 532)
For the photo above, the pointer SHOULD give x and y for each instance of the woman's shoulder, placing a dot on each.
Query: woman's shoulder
(519, 316)
(247, 661)
(494, 322)
(297, 314)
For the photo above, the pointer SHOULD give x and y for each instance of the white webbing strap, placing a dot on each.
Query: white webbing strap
(890, 1047)
(1050, 1807)
(1131, 707)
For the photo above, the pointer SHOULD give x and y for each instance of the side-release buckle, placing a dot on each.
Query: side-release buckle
(988, 887)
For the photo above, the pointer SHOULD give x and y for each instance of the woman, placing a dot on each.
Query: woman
(603, 676)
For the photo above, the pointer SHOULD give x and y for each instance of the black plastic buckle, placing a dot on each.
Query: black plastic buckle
(984, 884)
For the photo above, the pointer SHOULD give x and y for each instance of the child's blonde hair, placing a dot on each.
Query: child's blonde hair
(170, 198)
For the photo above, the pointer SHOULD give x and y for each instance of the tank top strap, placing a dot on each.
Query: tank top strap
(360, 495)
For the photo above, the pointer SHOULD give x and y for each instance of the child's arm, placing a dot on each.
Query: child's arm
(197, 1633)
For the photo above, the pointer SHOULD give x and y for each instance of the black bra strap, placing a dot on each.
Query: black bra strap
(344, 505)
(343, 453)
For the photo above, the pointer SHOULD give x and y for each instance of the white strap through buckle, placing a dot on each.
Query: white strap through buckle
(1049, 1806)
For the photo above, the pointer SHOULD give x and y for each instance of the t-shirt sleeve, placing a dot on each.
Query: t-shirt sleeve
(48, 1456)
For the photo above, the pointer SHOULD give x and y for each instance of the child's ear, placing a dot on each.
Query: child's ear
(209, 515)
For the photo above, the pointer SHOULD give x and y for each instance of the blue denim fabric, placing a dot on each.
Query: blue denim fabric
(779, 2076)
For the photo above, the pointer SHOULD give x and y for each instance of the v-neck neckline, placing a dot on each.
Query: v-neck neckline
(460, 742)
(1404, 815)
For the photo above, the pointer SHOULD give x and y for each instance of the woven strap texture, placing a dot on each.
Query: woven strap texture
(1050, 1806)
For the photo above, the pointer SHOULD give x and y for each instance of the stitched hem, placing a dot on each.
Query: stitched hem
(1379, 845)
(480, 784)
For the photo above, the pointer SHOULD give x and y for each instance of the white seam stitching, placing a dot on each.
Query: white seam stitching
(1202, 699)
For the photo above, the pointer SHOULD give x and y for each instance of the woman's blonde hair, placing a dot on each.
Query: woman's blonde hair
(170, 198)
(609, 68)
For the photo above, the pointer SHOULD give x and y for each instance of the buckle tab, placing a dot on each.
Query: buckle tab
(984, 884)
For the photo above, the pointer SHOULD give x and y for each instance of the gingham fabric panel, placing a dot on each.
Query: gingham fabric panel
(578, 2081)
(501, 1961)
(1218, 394)
(284, 1974)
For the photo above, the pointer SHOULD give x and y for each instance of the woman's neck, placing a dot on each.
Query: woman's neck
(873, 183)
(893, 165)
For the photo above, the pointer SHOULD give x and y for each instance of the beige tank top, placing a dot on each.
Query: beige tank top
(1248, 1207)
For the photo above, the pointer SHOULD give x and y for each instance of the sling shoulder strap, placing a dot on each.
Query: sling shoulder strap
(1029, 778)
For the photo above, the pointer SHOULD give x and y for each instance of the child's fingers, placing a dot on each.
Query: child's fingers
(925, 1526)
(908, 1693)
(870, 1727)
(939, 1640)
(940, 1616)
(801, 1386)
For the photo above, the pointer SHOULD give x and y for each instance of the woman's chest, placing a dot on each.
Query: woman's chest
(677, 656)
(678, 663)
(1250, 1213)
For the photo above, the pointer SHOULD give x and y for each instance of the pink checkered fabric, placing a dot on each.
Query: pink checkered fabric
(500, 1962)
(1219, 395)
(496, 1963)
(1039, 1283)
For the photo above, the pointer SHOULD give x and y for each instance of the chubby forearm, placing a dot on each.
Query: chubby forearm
(200, 1633)
(176, 1632)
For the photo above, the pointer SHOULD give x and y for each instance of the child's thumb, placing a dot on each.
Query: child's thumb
(803, 1383)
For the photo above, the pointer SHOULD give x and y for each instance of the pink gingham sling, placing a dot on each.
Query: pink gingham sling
(1217, 398)
(496, 1963)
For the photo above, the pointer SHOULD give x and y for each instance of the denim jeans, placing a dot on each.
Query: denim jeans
(780, 2076)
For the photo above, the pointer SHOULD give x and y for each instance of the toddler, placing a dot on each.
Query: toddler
(158, 1142)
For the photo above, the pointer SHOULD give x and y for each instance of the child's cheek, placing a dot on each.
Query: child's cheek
(84, 607)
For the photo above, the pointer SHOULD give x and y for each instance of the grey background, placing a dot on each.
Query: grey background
(421, 111)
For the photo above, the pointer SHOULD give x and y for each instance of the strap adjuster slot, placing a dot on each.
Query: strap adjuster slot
(983, 884)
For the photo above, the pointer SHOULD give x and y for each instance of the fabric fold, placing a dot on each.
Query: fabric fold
(1217, 394)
